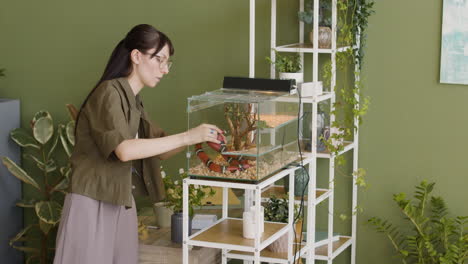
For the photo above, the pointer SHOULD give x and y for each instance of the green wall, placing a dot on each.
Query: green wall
(416, 127)
(55, 51)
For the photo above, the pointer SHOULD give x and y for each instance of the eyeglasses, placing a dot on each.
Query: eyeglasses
(163, 62)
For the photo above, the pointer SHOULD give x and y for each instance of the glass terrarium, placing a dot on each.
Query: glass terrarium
(261, 131)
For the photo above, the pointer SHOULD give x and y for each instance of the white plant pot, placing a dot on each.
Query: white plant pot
(162, 215)
(298, 76)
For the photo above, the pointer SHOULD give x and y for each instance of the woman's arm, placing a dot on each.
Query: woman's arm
(171, 153)
(133, 149)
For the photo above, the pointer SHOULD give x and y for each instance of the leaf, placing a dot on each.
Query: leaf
(54, 144)
(43, 129)
(39, 163)
(20, 234)
(45, 227)
(26, 203)
(65, 171)
(23, 138)
(21, 237)
(38, 115)
(72, 111)
(64, 141)
(51, 166)
(49, 211)
(30, 258)
(19, 173)
(70, 131)
(63, 184)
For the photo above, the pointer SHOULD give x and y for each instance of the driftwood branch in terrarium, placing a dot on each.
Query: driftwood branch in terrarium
(241, 121)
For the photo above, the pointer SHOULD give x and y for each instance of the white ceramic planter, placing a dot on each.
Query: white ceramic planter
(162, 215)
(298, 76)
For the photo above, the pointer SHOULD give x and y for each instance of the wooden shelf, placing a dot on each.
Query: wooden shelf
(348, 145)
(229, 231)
(338, 247)
(307, 48)
(265, 255)
(278, 191)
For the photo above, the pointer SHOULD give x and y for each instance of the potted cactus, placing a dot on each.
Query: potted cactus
(40, 146)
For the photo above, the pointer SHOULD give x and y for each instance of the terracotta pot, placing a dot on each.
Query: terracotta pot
(324, 37)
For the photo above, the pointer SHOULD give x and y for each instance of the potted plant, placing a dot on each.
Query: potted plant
(288, 67)
(432, 235)
(40, 145)
(277, 210)
(173, 201)
(325, 32)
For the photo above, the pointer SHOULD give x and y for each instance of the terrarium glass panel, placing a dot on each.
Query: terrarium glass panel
(260, 129)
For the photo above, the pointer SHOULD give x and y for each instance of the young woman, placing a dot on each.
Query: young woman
(113, 137)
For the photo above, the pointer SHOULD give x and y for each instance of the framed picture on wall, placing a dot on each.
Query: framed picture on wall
(454, 47)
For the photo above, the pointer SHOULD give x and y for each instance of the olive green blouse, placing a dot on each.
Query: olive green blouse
(111, 115)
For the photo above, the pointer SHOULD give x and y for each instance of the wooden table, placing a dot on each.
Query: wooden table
(158, 249)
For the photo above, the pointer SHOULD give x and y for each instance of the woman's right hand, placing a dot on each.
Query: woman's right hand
(204, 133)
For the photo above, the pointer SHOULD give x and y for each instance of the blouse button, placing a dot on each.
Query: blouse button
(133, 187)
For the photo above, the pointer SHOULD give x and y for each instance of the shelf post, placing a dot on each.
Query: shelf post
(311, 199)
(252, 40)
(357, 69)
(185, 222)
(291, 203)
(273, 38)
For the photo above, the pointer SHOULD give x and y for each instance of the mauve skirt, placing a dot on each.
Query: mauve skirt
(96, 232)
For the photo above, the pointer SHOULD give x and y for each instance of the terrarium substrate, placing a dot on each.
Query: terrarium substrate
(276, 120)
(265, 168)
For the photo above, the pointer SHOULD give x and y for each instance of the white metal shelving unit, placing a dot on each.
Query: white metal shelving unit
(333, 248)
(253, 250)
(226, 233)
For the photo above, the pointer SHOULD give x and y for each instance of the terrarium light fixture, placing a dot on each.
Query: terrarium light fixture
(260, 84)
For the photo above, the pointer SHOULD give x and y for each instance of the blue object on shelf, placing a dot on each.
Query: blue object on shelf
(11, 217)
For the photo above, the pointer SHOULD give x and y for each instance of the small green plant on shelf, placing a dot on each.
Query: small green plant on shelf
(40, 146)
(435, 237)
(286, 63)
(174, 192)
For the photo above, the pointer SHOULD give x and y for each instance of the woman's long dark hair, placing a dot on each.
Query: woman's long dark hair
(142, 37)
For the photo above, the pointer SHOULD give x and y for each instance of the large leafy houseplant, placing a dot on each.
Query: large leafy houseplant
(50, 180)
(435, 237)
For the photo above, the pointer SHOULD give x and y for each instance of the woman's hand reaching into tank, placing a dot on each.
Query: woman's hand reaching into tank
(204, 133)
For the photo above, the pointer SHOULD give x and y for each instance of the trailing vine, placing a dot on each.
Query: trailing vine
(353, 18)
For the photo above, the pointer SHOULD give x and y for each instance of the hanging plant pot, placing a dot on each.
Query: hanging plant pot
(324, 37)
(297, 76)
(176, 227)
